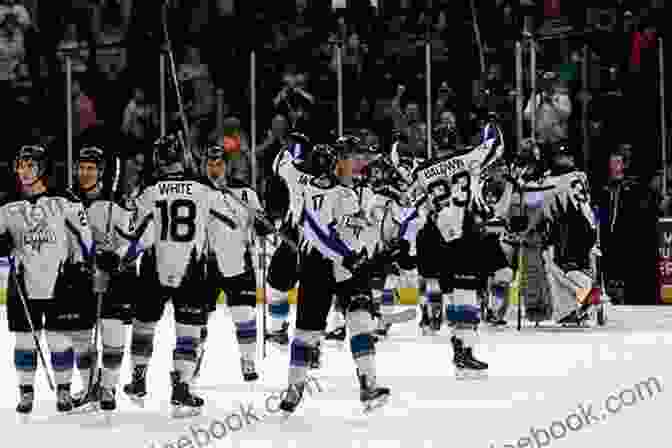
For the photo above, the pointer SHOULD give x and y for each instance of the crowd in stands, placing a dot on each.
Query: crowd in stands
(114, 47)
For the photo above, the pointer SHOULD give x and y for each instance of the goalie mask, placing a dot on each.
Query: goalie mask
(90, 166)
(31, 164)
(168, 154)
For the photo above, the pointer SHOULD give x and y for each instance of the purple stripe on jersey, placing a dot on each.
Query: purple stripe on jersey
(327, 237)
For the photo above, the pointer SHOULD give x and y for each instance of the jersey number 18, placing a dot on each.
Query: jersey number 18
(177, 220)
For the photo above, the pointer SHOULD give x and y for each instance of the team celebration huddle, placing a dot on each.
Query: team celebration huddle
(87, 268)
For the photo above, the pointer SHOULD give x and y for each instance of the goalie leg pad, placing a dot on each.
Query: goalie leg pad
(25, 358)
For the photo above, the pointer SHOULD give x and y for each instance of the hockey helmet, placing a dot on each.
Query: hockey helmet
(379, 172)
(37, 156)
(169, 151)
(94, 155)
(215, 152)
(322, 160)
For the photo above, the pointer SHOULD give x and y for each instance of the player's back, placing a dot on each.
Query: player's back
(180, 208)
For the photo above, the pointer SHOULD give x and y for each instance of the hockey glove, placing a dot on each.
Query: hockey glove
(108, 261)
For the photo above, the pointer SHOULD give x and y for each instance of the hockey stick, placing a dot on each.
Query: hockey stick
(184, 138)
(262, 265)
(36, 339)
(99, 295)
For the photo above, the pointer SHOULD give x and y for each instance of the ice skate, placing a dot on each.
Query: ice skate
(184, 403)
(280, 338)
(466, 366)
(63, 398)
(293, 397)
(87, 400)
(336, 336)
(371, 396)
(108, 402)
(137, 388)
(248, 370)
(383, 328)
(25, 406)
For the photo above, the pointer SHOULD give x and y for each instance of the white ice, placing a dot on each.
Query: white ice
(537, 376)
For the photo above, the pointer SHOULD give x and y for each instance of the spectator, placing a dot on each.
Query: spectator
(628, 221)
(199, 88)
(413, 127)
(83, 109)
(553, 108)
(140, 122)
(446, 133)
(293, 101)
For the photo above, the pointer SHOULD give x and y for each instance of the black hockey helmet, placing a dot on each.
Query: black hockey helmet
(215, 152)
(380, 172)
(168, 150)
(92, 154)
(36, 154)
(322, 160)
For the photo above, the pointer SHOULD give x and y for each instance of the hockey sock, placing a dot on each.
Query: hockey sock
(86, 355)
(389, 291)
(301, 353)
(25, 358)
(113, 336)
(244, 319)
(142, 343)
(360, 326)
(465, 311)
(62, 357)
(336, 317)
(278, 309)
(184, 355)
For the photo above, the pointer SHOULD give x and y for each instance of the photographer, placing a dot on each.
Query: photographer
(293, 101)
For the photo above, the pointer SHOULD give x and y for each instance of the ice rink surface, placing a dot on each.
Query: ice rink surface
(537, 377)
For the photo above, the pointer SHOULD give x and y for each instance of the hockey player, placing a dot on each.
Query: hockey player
(380, 194)
(230, 267)
(175, 211)
(39, 225)
(283, 200)
(114, 288)
(571, 235)
(447, 192)
(326, 206)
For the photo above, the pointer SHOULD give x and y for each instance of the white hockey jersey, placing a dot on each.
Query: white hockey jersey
(176, 212)
(230, 246)
(288, 168)
(42, 229)
(447, 190)
(100, 213)
(327, 209)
